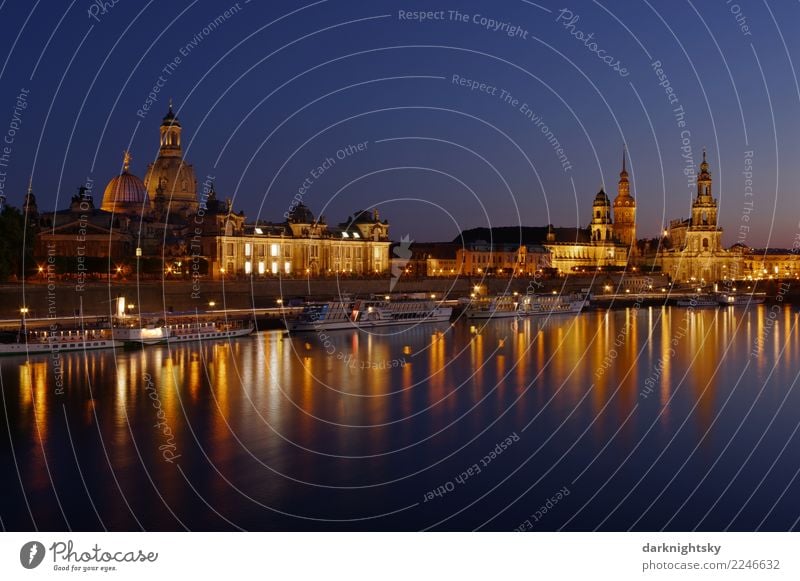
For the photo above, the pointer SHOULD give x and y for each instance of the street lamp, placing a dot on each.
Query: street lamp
(212, 304)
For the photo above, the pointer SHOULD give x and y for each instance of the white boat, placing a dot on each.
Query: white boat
(499, 307)
(199, 331)
(506, 306)
(50, 341)
(698, 301)
(735, 299)
(367, 314)
(557, 304)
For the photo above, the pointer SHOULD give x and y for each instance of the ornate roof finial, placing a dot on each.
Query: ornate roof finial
(704, 165)
(126, 161)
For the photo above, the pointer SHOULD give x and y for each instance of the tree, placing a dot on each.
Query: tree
(16, 244)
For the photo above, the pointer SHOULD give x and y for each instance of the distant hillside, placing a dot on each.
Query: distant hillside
(521, 235)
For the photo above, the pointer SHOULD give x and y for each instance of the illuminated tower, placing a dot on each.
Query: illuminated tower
(170, 173)
(602, 226)
(703, 235)
(624, 210)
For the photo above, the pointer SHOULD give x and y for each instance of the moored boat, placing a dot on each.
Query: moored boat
(29, 342)
(698, 301)
(162, 334)
(737, 299)
(367, 314)
(529, 305)
(499, 307)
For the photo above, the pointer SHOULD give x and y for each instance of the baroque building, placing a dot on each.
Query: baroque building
(302, 246)
(160, 227)
(691, 249)
(170, 180)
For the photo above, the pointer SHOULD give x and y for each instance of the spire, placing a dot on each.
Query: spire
(623, 175)
(126, 161)
(704, 175)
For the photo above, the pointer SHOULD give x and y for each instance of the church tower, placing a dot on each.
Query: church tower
(624, 210)
(170, 173)
(602, 226)
(703, 235)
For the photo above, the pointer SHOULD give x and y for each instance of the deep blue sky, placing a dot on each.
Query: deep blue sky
(260, 131)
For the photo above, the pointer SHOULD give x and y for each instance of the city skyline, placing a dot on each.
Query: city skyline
(443, 133)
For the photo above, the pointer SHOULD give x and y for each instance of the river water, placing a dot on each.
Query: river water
(643, 419)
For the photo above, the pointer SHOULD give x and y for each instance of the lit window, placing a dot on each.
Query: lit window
(261, 267)
(356, 235)
(248, 267)
(274, 250)
(287, 267)
(247, 249)
(274, 267)
(345, 235)
(259, 230)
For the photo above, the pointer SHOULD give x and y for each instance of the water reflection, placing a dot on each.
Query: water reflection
(298, 423)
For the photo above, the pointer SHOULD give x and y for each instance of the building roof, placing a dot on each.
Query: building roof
(526, 235)
(125, 191)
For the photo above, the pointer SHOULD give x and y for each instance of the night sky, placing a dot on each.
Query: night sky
(273, 89)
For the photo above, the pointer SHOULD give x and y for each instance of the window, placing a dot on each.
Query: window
(347, 252)
(247, 249)
(248, 267)
(287, 267)
(261, 267)
(274, 249)
(705, 242)
(274, 267)
(230, 248)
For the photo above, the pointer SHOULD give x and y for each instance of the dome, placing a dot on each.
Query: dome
(601, 199)
(170, 118)
(126, 191)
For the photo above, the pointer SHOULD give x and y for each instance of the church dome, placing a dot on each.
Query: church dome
(601, 199)
(125, 191)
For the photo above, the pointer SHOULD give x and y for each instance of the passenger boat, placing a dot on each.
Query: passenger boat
(162, 334)
(499, 307)
(368, 313)
(736, 299)
(553, 304)
(505, 306)
(29, 342)
(698, 301)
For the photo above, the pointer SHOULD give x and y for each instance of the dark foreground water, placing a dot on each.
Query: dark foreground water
(649, 419)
